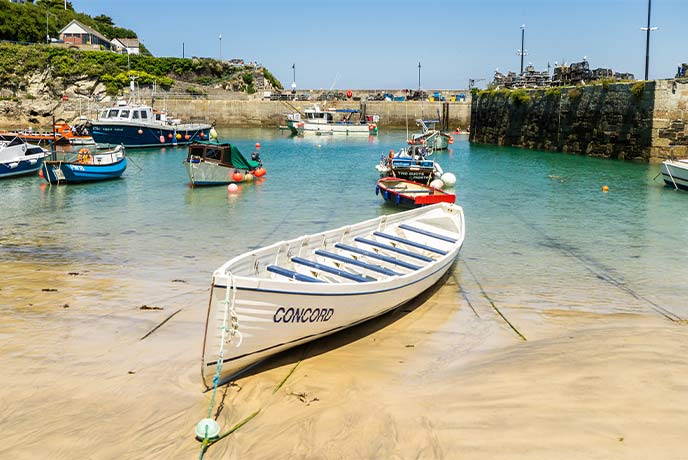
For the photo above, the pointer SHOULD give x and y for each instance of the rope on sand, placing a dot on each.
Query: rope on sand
(499, 312)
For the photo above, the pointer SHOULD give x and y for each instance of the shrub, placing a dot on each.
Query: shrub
(520, 96)
(573, 94)
(638, 89)
(553, 92)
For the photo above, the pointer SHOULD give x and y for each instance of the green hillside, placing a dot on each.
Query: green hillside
(27, 22)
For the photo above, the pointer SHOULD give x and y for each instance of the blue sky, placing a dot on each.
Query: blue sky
(378, 44)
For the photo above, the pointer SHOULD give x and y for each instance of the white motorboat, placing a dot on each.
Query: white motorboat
(332, 121)
(430, 137)
(18, 158)
(292, 292)
(675, 173)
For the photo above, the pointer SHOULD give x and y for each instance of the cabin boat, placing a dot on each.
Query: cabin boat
(17, 158)
(412, 163)
(218, 164)
(133, 125)
(411, 194)
(280, 296)
(675, 173)
(86, 167)
(332, 121)
(62, 134)
(430, 137)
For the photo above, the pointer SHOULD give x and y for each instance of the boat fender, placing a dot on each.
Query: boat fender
(140, 132)
(162, 139)
(237, 176)
(377, 190)
(398, 199)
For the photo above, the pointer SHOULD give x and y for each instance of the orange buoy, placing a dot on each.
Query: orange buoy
(451, 140)
(237, 176)
(260, 172)
(187, 137)
(371, 127)
(40, 173)
(202, 135)
(257, 145)
(605, 188)
(169, 135)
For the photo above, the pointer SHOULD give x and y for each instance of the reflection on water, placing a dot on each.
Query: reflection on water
(541, 234)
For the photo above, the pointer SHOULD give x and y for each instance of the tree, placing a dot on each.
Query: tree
(104, 19)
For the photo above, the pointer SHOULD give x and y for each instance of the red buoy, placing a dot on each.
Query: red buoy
(257, 145)
(187, 137)
(349, 94)
(202, 134)
(170, 135)
(237, 176)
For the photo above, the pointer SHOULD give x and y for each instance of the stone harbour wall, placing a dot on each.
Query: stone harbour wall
(645, 121)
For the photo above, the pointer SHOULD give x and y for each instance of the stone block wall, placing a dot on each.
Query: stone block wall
(612, 120)
(670, 124)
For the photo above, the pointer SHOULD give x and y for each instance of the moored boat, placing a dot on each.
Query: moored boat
(292, 292)
(209, 163)
(411, 194)
(62, 134)
(18, 158)
(134, 125)
(430, 137)
(332, 121)
(412, 163)
(86, 167)
(675, 173)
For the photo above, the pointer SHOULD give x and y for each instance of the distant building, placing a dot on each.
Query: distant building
(125, 45)
(18, 1)
(81, 36)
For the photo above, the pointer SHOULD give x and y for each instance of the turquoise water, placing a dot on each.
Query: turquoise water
(541, 235)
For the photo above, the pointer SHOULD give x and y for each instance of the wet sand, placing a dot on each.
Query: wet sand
(442, 377)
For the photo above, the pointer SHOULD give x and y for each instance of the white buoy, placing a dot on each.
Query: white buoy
(449, 179)
(232, 188)
(213, 133)
(437, 183)
(207, 428)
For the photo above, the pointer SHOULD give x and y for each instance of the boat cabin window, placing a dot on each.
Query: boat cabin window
(34, 151)
(157, 117)
(135, 115)
(124, 113)
(213, 154)
(103, 114)
(196, 151)
(113, 113)
(227, 156)
(144, 114)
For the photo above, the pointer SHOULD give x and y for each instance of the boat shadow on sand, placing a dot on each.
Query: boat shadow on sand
(343, 337)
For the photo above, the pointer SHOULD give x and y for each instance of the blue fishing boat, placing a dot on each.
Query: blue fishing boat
(134, 125)
(17, 158)
(86, 167)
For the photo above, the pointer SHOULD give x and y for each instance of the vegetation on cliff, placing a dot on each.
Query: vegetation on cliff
(19, 62)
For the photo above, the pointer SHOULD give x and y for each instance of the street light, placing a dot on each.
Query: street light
(293, 82)
(522, 52)
(648, 29)
(419, 77)
(47, 34)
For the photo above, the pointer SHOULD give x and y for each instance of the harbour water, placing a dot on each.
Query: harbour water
(563, 319)
(541, 233)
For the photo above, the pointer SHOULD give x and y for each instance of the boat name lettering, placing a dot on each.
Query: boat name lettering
(302, 315)
(77, 167)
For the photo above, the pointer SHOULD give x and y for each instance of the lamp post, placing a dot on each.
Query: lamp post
(648, 29)
(419, 77)
(220, 38)
(293, 82)
(522, 52)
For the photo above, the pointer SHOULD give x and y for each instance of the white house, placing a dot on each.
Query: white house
(125, 45)
(82, 36)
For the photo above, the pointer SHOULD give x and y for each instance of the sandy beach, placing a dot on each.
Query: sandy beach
(442, 377)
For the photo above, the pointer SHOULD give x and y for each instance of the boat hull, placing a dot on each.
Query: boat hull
(129, 135)
(206, 173)
(20, 168)
(675, 173)
(341, 129)
(273, 314)
(411, 194)
(101, 166)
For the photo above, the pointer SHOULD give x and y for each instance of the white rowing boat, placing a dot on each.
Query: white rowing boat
(292, 292)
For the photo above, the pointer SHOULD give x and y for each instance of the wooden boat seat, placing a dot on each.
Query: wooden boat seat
(377, 244)
(358, 263)
(427, 233)
(375, 255)
(410, 243)
(292, 274)
(332, 270)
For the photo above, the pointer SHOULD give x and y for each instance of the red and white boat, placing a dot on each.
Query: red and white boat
(407, 193)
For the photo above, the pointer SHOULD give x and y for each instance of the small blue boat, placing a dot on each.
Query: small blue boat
(17, 158)
(87, 167)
